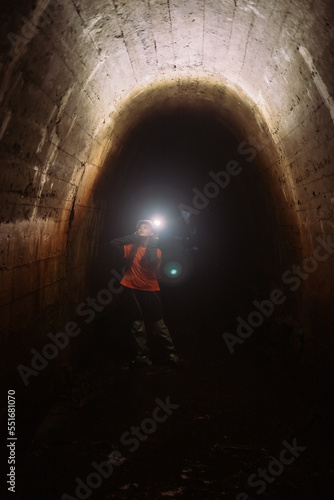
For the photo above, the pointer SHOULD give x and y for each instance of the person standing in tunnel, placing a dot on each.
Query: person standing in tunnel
(142, 292)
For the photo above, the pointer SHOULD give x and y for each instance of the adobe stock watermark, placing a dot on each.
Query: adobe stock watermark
(275, 468)
(60, 340)
(221, 179)
(48, 11)
(265, 308)
(132, 437)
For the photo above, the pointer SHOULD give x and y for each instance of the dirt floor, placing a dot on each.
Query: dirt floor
(229, 418)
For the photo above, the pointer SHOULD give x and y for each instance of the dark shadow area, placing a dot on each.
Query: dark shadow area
(233, 410)
(218, 225)
(231, 415)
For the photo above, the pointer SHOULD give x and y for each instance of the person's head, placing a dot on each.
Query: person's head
(144, 228)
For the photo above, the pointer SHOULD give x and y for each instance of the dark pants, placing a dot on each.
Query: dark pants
(143, 305)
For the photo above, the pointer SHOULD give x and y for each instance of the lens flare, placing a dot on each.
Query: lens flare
(173, 269)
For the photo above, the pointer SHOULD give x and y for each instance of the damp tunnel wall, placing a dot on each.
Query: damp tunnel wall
(77, 78)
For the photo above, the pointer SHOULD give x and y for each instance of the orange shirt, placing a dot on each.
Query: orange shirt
(139, 276)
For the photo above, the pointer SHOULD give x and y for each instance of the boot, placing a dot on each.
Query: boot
(161, 329)
(139, 337)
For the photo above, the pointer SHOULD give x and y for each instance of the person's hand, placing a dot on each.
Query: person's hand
(154, 241)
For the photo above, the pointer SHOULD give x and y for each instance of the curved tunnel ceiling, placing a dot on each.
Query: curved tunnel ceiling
(78, 76)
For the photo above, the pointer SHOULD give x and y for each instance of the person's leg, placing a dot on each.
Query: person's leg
(139, 337)
(154, 308)
(137, 328)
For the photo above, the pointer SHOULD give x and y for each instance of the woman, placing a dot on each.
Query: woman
(140, 282)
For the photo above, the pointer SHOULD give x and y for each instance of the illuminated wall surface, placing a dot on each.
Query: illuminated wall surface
(78, 81)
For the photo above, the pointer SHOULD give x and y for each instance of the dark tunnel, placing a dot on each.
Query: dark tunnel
(225, 242)
(214, 120)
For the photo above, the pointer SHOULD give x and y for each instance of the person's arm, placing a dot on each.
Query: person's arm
(151, 253)
(118, 244)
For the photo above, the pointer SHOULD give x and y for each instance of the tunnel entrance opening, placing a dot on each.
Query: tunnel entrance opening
(190, 167)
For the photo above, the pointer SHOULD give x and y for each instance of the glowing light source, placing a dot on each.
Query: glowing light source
(173, 269)
(158, 221)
